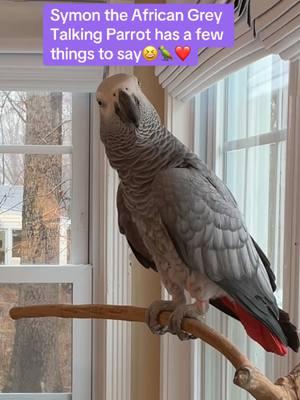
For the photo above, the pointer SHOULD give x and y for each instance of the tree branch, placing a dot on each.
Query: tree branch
(11, 102)
(247, 376)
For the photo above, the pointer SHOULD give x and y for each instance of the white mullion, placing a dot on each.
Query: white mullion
(80, 179)
(82, 341)
(199, 140)
(43, 273)
(8, 245)
(118, 373)
(211, 140)
(196, 383)
(259, 140)
(35, 149)
(216, 134)
(219, 132)
(98, 250)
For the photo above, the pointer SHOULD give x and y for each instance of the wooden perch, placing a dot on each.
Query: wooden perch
(246, 376)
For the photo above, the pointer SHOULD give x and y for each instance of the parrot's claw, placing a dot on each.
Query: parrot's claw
(179, 312)
(152, 315)
(177, 317)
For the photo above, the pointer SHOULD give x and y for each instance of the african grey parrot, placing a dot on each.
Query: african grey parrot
(180, 219)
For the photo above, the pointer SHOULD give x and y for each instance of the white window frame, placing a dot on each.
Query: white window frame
(180, 361)
(80, 278)
(106, 344)
(79, 273)
(213, 154)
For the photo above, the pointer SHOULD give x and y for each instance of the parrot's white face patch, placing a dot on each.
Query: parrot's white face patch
(108, 95)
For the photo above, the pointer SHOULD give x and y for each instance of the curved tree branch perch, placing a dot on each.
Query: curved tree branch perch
(246, 376)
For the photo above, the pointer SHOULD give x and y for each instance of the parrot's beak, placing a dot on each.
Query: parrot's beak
(128, 108)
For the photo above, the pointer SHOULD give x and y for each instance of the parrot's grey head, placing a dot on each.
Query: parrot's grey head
(124, 109)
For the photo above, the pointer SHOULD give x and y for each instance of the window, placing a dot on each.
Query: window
(44, 163)
(242, 128)
(16, 244)
(36, 188)
(2, 246)
(254, 148)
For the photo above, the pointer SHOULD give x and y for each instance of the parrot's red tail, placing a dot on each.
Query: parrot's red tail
(256, 329)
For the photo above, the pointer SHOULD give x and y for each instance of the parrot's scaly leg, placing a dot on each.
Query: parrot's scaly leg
(152, 315)
(195, 310)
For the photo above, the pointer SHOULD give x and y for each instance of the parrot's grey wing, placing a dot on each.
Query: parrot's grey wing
(128, 228)
(226, 194)
(209, 234)
(192, 161)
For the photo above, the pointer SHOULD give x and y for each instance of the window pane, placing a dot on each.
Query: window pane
(251, 114)
(255, 173)
(256, 99)
(35, 208)
(2, 246)
(36, 353)
(237, 91)
(35, 118)
(16, 243)
(235, 160)
(260, 97)
(267, 99)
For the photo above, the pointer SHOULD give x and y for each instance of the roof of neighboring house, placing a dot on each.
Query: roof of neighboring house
(11, 198)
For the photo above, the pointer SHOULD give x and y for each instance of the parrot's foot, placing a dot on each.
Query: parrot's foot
(196, 310)
(152, 315)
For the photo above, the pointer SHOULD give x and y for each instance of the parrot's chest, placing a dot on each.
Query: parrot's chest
(139, 202)
(173, 270)
(154, 234)
(161, 248)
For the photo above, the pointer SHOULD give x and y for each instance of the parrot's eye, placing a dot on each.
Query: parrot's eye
(99, 102)
(139, 83)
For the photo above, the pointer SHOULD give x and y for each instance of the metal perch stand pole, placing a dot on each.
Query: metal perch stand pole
(247, 376)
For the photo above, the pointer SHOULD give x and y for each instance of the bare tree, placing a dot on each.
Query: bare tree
(35, 358)
(12, 128)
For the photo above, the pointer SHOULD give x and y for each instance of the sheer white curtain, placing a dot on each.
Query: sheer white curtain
(263, 148)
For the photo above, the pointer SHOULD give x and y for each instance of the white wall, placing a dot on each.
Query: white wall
(20, 26)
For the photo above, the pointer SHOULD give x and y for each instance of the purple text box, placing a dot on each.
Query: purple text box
(105, 34)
